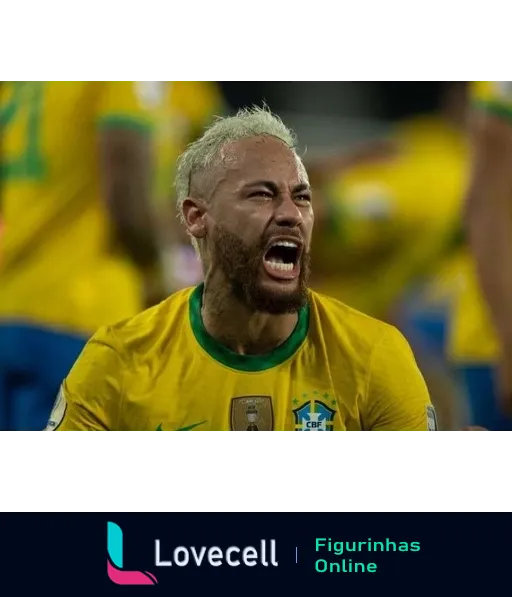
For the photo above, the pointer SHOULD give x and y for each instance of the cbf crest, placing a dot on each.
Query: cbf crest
(315, 414)
(252, 413)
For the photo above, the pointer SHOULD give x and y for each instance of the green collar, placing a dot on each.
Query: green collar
(243, 362)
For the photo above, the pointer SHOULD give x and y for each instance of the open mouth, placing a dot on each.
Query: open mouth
(282, 259)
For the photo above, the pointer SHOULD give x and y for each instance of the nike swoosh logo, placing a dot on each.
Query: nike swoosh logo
(191, 426)
(188, 428)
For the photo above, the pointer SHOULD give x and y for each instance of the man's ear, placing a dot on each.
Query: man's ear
(194, 213)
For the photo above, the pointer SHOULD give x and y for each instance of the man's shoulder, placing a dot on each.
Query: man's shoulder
(346, 324)
(148, 327)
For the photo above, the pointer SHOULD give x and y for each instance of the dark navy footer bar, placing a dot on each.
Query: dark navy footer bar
(240, 554)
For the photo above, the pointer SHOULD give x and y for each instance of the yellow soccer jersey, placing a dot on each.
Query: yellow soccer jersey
(56, 262)
(339, 370)
(394, 217)
(472, 338)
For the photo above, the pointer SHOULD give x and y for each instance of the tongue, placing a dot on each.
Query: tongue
(275, 259)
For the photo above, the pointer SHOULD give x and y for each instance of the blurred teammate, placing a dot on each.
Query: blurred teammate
(392, 247)
(481, 342)
(76, 168)
(394, 210)
(1, 233)
(252, 348)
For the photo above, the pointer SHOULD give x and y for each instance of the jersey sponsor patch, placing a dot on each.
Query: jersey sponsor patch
(150, 93)
(252, 413)
(58, 412)
(431, 419)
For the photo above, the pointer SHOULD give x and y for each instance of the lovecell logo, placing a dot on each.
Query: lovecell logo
(116, 573)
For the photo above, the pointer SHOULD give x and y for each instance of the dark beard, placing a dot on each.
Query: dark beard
(242, 265)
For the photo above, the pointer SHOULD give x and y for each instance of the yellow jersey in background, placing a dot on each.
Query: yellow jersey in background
(58, 267)
(395, 217)
(472, 335)
(189, 107)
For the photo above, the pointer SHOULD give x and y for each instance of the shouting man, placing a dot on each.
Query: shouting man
(252, 348)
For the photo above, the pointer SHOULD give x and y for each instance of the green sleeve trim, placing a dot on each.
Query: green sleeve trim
(123, 121)
(495, 108)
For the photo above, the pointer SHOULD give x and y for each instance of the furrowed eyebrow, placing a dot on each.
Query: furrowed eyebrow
(271, 186)
(301, 187)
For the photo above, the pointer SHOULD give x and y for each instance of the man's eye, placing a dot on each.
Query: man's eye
(304, 198)
(264, 194)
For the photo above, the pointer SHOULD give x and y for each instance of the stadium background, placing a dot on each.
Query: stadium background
(387, 161)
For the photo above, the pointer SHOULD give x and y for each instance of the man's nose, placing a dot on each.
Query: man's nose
(287, 212)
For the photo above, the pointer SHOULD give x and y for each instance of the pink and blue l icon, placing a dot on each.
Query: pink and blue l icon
(115, 570)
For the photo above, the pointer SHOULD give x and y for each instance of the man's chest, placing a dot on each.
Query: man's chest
(277, 400)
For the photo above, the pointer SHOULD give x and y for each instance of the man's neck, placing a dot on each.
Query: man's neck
(233, 324)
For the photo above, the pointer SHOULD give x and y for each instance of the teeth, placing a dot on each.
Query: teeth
(284, 267)
(285, 243)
